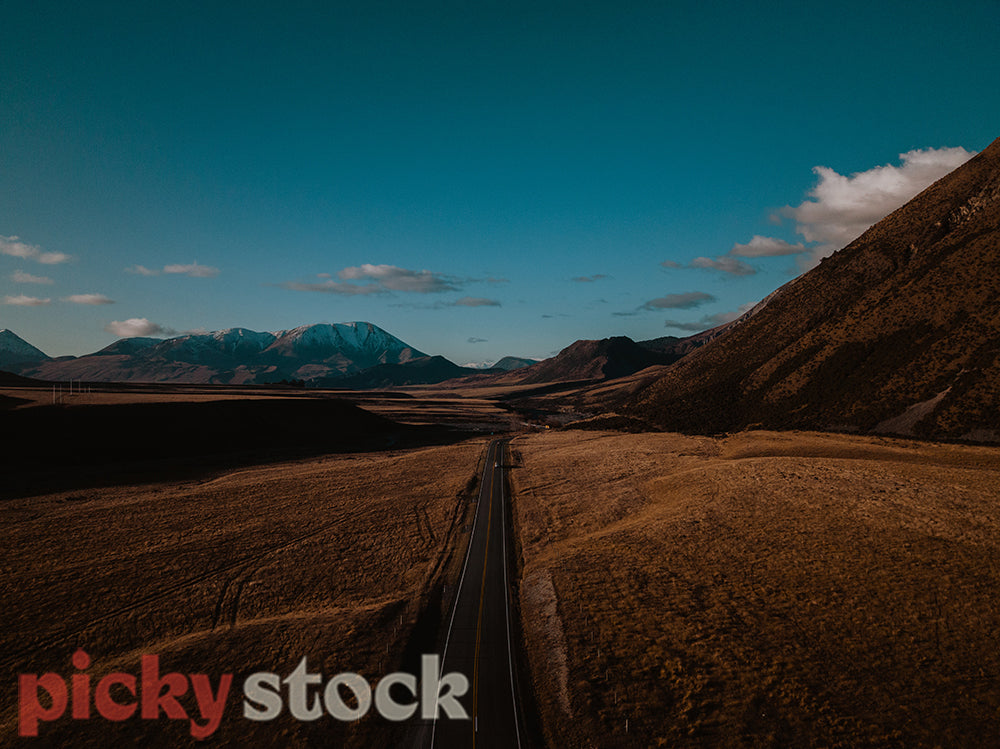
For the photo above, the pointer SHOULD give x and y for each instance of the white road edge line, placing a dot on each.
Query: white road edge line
(461, 579)
(506, 601)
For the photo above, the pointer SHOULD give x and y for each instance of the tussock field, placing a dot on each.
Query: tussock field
(763, 589)
(243, 571)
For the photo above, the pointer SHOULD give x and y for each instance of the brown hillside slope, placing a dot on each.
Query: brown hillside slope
(899, 332)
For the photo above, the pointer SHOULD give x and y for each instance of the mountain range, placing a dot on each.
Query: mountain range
(356, 355)
(233, 356)
(350, 355)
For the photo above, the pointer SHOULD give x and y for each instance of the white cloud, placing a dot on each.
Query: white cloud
(89, 299)
(477, 340)
(333, 287)
(732, 264)
(142, 270)
(136, 326)
(710, 321)
(766, 247)
(726, 264)
(813, 256)
(475, 301)
(192, 269)
(723, 317)
(590, 279)
(22, 300)
(20, 276)
(678, 301)
(841, 208)
(695, 326)
(14, 247)
(380, 279)
(400, 279)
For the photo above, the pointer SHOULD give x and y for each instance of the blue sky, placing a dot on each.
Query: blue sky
(478, 178)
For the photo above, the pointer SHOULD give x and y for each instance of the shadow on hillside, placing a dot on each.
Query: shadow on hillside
(56, 448)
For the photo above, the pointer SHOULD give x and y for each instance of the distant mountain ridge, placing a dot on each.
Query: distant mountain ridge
(17, 352)
(355, 355)
(595, 360)
(603, 359)
(512, 363)
(232, 356)
(897, 333)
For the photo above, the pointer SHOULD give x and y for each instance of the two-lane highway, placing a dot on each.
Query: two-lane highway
(479, 640)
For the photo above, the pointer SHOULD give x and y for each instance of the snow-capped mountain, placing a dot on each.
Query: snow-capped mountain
(15, 352)
(361, 344)
(235, 355)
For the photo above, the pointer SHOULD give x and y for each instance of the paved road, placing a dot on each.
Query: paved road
(478, 641)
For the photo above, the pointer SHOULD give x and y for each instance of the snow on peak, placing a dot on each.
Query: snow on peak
(351, 336)
(12, 343)
(244, 337)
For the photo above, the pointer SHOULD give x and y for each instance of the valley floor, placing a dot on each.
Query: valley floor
(763, 589)
(236, 571)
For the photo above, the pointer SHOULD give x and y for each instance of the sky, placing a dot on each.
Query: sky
(480, 179)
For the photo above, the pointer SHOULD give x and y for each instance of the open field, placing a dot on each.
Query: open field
(243, 570)
(763, 589)
(408, 405)
(122, 434)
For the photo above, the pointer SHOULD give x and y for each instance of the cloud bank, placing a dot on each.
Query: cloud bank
(839, 209)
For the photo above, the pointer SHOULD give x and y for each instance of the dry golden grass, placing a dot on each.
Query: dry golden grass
(765, 589)
(114, 394)
(249, 570)
(444, 409)
(418, 404)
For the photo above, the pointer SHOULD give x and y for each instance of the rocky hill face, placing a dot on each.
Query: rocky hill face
(604, 359)
(234, 356)
(899, 332)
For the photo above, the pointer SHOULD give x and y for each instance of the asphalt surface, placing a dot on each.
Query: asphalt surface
(479, 641)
